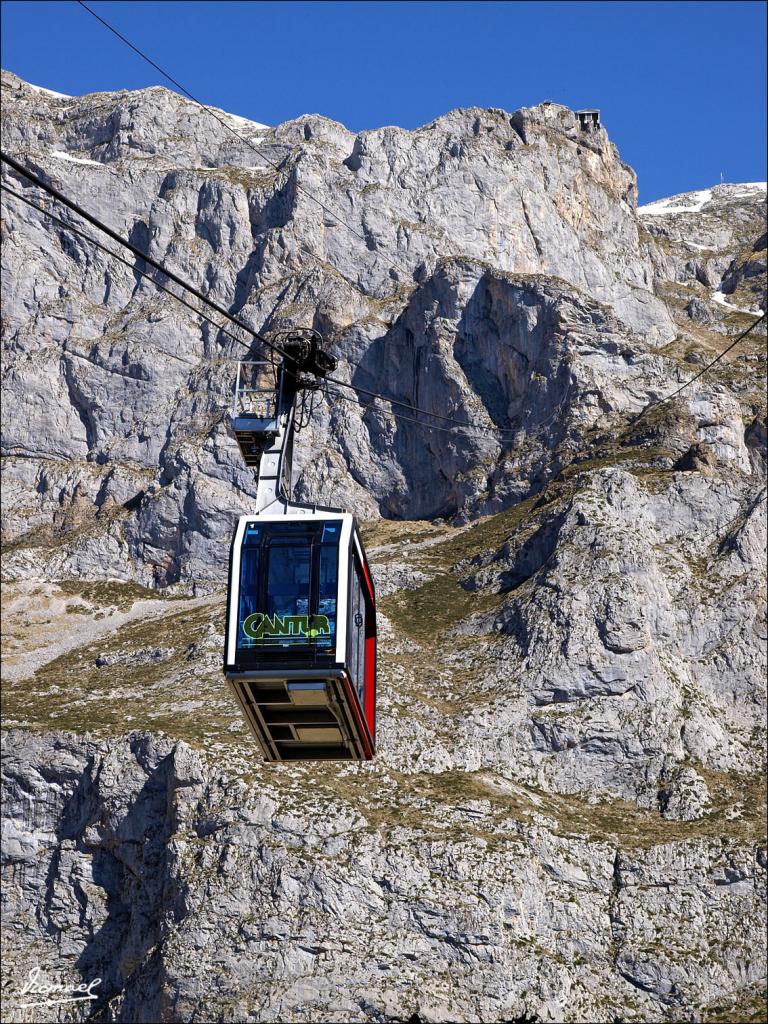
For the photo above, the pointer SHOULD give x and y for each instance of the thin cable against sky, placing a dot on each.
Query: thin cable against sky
(647, 62)
(333, 213)
(229, 128)
(365, 406)
(59, 196)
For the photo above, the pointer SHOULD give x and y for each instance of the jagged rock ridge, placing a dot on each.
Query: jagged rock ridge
(118, 397)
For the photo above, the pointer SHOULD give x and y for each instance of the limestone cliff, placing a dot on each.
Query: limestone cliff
(566, 816)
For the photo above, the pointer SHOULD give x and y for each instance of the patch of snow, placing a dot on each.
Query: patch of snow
(253, 167)
(692, 202)
(721, 300)
(243, 122)
(748, 186)
(688, 202)
(75, 159)
(49, 92)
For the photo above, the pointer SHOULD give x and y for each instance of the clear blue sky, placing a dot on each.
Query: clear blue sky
(681, 85)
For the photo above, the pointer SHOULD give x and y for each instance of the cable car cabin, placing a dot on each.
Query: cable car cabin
(301, 636)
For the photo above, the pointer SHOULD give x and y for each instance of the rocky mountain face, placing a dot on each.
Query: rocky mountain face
(710, 246)
(566, 816)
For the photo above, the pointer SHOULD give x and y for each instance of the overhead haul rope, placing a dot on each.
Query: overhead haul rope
(210, 110)
(116, 256)
(69, 227)
(56, 194)
(232, 131)
(667, 398)
(174, 81)
(470, 428)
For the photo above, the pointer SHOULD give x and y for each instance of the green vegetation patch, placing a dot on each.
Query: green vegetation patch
(432, 803)
(110, 593)
(379, 532)
(154, 678)
(750, 1007)
(632, 456)
(244, 177)
(622, 822)
(427, 612)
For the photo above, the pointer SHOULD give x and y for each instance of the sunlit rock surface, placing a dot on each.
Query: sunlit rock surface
(566, 815)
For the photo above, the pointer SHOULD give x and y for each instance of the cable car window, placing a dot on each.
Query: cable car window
(326, 604)
(249, 582)
(288, 588)
(285, 622)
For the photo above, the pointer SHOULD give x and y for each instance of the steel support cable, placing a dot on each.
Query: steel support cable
(457, 425)
(416, 408)
(237, 135)
(332, 213)
(76, 231)
(56, 194)
(529, 435)
(366, 406)
(723, 531)
(497, 433)
(120, 259)
(674, 394)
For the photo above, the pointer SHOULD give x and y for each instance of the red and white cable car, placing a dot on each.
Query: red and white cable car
(300, 650)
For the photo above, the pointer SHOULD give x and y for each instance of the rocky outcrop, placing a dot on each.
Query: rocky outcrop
(193, 897)
(565, 816)
(632, 631)
(116, 443)
(713, 244)
(745, 280)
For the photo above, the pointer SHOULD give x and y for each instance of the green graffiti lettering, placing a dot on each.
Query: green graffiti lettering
(259, 626)
(319, 625)
(252, 625)
(276, 626)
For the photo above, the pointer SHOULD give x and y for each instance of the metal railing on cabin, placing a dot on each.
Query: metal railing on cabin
(256, 395)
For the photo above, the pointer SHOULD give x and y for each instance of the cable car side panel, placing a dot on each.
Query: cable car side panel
(366, 651)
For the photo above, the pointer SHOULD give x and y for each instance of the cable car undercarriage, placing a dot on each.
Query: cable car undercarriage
(300, 652)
